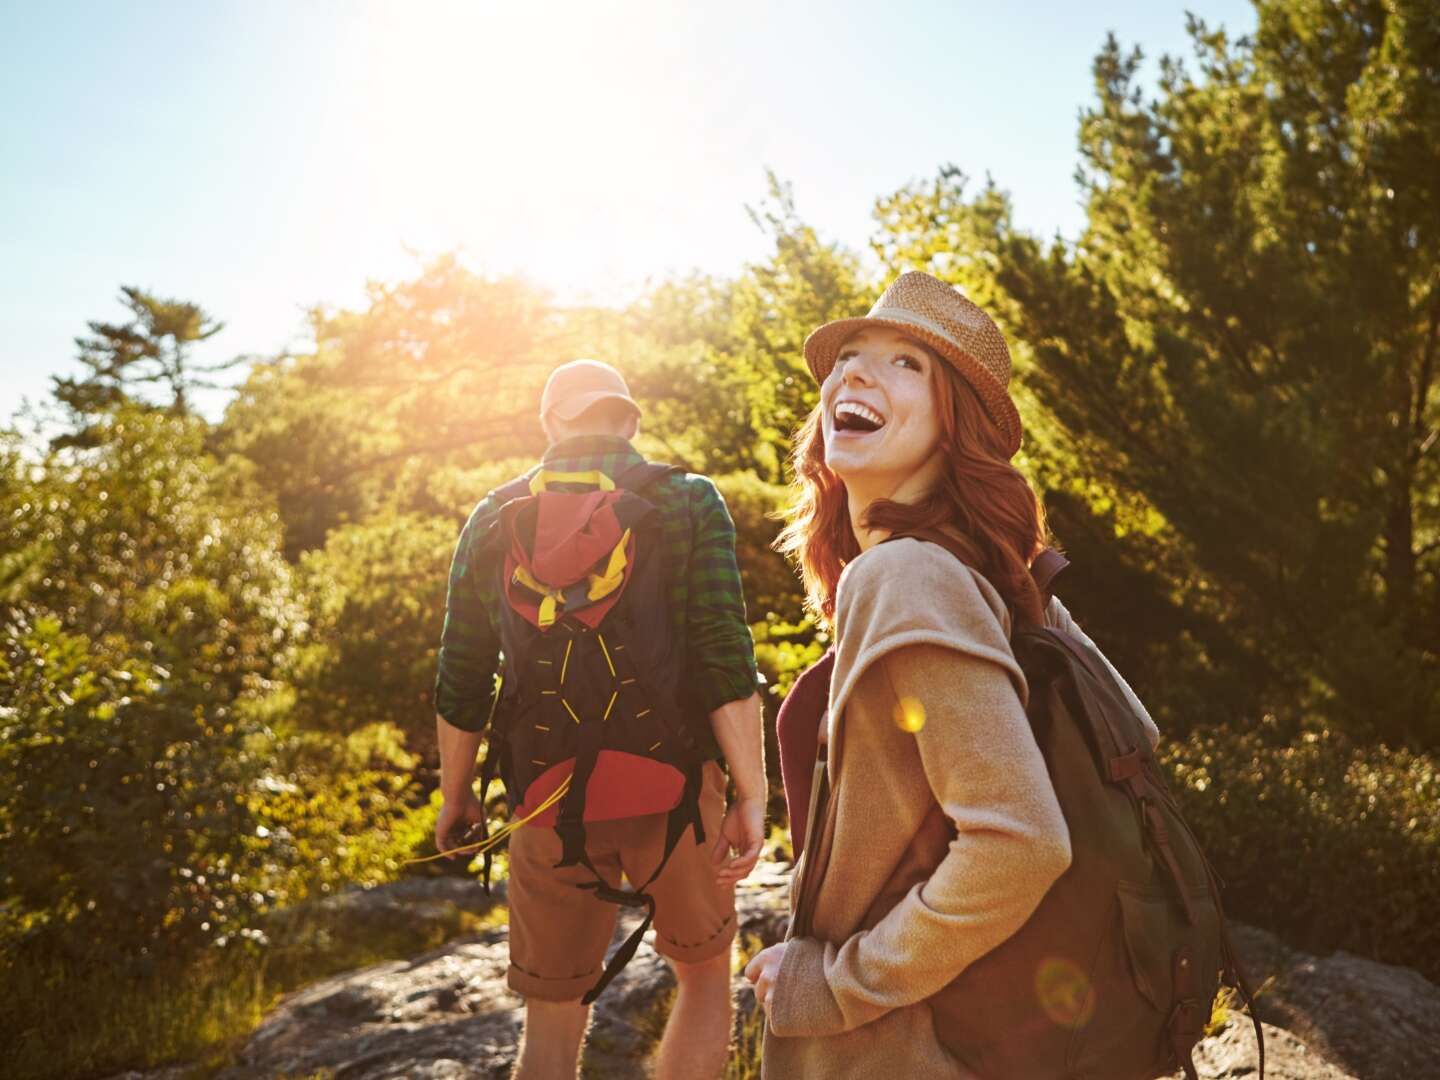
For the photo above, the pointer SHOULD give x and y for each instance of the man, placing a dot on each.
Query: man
(558, 932)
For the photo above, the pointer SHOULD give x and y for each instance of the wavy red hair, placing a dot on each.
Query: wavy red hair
(981, 500)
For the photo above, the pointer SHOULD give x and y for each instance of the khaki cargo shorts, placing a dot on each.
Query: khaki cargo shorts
(558, 933)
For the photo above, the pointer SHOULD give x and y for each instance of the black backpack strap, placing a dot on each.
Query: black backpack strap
(639, 477)
(515, 489)
(488, 772)
(571, 822)
(686, 815)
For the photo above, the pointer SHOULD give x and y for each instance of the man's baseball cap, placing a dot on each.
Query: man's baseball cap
(574, 387)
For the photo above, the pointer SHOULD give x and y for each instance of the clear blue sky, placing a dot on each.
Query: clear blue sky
(260, 157)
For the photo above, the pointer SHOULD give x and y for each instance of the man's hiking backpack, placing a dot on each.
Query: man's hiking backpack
(588, 722)
(1113, 975)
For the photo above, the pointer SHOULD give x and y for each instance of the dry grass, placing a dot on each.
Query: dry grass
(74, 1021)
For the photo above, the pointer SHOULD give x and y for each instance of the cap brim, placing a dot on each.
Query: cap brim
(573, 407)
(823, 345)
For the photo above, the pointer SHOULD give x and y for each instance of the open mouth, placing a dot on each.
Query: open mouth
(854, 417)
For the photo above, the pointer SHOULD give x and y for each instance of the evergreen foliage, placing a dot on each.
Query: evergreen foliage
(124, 360)
(1246, 337)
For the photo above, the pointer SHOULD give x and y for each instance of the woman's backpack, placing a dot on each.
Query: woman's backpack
(588, 723)
(1113, 976)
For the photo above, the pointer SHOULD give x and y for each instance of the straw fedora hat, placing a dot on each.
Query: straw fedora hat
(927, 309)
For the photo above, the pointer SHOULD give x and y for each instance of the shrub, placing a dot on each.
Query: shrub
(1330, 844)
(377, 593)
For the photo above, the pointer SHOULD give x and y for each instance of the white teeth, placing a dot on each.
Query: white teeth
(854, 408)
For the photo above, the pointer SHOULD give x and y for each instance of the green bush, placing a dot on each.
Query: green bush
(1330, 844)
(157, 797)
(377, 595)
(135, 831)
(123, 828)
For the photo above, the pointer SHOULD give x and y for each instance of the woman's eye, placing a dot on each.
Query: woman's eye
(905, 360)
(843, 357)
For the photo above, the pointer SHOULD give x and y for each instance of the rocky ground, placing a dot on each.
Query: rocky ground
(448, 1015)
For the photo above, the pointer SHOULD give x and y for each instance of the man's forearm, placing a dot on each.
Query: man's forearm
(739, 729)
(458, 749)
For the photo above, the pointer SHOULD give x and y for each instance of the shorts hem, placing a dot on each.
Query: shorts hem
(540, 988)
(717, 943)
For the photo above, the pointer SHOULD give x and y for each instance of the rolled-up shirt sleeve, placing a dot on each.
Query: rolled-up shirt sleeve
(721, 650)
(469, 642)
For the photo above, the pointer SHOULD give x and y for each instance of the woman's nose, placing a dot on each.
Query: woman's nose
(856, 370)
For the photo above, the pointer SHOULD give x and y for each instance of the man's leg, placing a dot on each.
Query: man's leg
(696, 1044)
(694, 931)
(550, 1043)
(558, 935)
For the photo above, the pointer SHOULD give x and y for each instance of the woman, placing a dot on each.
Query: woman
(942, 831)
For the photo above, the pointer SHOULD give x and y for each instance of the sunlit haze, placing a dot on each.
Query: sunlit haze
(258, 158)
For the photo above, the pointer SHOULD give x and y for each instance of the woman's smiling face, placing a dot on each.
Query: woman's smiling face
(879, 415)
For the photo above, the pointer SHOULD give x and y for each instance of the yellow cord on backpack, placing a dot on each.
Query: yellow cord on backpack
(541, 481)
(601, 585)
(501, 833)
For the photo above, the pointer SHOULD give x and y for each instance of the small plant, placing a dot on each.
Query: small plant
(745, 1049)
(1227, 1005)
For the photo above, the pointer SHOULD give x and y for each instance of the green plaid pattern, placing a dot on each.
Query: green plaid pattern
(707, 606)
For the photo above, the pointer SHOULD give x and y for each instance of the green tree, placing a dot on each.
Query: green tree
(442, 371)
(155, 795)
(377, 591)
(152, 349)
(775, 306)
(1245, 336)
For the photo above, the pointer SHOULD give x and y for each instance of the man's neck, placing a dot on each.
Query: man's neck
(572, 445)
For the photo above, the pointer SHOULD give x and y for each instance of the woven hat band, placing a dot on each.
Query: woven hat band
(915, 319)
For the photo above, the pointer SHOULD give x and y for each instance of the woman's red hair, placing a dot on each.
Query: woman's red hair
(981, 500)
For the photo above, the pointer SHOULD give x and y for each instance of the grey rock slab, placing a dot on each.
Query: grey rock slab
(1230, 1055)
(448, 1015)
(1379, 1021)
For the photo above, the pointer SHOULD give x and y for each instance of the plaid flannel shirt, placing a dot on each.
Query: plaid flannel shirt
(707, 606)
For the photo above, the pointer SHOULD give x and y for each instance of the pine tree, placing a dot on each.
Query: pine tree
(1248, 331)
(123, 359)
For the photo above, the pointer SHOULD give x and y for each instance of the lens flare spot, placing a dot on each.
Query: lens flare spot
(1064, 992)
(909, 714)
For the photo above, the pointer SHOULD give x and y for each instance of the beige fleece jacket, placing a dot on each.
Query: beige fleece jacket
(936, 844)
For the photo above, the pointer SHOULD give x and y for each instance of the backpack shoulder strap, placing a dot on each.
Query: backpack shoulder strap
(1045, 568)
(639, 477)
(515, 489)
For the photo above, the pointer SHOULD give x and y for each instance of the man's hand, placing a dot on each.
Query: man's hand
(764, 966)
(457, 817)
(742, 835)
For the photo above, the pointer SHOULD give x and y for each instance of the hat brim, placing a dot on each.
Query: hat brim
(572, 407)
(823, 346)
